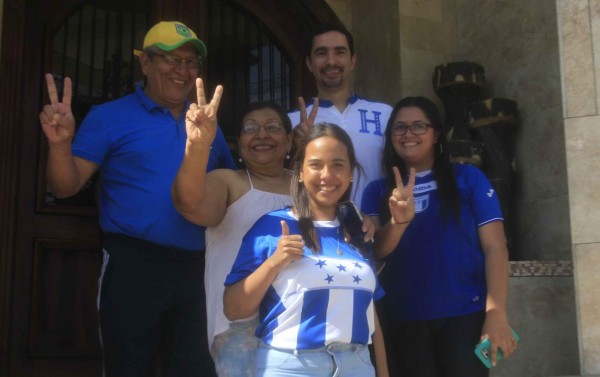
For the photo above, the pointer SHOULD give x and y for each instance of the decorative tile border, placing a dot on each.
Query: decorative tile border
(541, 268)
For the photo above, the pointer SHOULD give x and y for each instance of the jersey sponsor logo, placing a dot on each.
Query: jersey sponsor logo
(425, 187)
(490, 193)
(421, 203)
(365, 121)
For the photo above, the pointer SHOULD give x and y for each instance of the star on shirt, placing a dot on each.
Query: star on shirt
(357, 279)
(329, 278)
(341, 267)
(358, 265)
(321, 263)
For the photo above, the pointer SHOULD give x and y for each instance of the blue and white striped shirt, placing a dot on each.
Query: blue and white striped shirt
(321, 299)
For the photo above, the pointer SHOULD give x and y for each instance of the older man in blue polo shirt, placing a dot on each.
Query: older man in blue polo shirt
(151, 292)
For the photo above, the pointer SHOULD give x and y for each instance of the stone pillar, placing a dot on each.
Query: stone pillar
(579, 36)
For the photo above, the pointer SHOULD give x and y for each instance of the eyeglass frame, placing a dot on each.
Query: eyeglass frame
(263, 126)
(175, 61)
(410, 127)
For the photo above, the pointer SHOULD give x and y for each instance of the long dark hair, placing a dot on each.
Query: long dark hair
(442, 168)
(298, 190)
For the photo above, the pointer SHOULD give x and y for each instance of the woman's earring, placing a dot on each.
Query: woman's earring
(351, 179)
(300, 180)
(240, 159)
(287, 156)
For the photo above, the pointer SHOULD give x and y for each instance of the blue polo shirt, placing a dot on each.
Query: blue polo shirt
(438, 268)
(139, 147)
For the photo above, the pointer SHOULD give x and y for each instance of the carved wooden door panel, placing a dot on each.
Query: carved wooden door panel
(53, 318)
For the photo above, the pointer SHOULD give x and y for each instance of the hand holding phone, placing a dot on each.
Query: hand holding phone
(483, 350)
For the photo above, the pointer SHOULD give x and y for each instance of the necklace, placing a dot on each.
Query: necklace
(338, 251)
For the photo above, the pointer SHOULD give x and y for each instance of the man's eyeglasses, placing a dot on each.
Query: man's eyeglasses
(272, 128)
(175, 61)
(416, 128)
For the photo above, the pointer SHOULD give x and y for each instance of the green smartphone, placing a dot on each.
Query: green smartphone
(483, 350)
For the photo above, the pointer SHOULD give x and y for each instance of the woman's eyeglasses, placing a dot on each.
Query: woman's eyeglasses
(416, 128)
(272, 128)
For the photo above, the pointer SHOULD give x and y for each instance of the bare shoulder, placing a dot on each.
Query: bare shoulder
(234, 182)
(224, 175)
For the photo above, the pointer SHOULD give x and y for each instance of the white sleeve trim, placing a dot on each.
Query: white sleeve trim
(490, 221)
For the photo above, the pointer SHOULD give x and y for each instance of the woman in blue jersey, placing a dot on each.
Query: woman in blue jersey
(446, 278)
(314, 291)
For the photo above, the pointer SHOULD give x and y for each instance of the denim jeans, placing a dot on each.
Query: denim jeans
(335, 360)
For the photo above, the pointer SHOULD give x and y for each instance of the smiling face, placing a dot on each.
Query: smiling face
(263, 148)
(331, 61)
(326, 172)
(416, 150)
(169, 85)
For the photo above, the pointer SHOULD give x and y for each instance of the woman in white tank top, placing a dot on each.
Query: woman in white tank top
(229, 202)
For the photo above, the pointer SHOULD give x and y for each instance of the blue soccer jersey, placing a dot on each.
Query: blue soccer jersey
(437, 270)
(365, 122)
(318, 300)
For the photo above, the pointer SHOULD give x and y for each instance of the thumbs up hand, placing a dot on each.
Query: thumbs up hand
(290, 248)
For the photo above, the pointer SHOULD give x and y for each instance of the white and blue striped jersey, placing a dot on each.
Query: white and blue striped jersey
(365, 122)
(318, 300)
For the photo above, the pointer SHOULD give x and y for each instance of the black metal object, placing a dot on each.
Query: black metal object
(479, 131)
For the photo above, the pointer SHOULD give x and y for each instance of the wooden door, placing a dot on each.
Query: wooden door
(50, 249)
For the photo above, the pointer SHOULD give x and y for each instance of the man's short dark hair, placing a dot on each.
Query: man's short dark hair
(326, 28)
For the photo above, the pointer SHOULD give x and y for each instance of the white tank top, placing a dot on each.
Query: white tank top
(223, 243)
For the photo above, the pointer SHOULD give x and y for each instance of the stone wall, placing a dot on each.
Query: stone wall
(579, 35)
(541, 308)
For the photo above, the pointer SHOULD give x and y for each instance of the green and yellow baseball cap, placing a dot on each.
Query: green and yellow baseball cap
(169, 35)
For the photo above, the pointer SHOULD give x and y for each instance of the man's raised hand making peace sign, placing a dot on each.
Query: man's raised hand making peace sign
(201, 118)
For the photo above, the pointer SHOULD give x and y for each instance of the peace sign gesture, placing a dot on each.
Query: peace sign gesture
(56, 118)
(401, 202)
(307, 122)
(201, 118)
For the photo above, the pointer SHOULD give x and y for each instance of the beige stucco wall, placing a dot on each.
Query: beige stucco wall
(376, 34)
(428, 39)
(343, 9)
